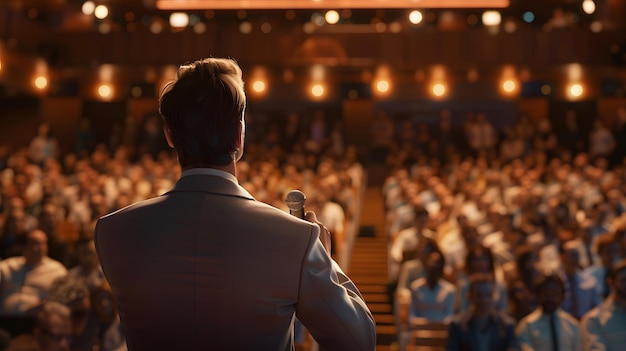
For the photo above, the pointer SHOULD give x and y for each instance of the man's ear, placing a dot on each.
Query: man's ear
(242, 133)
(168, 135)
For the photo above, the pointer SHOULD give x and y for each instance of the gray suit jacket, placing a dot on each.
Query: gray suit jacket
(207, 267)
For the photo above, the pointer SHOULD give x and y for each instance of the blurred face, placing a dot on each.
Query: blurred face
(551, 296)
(421, 221)
(480, 263)
(571, 257)
(434, 264)
(36, 247)
(481, 295)
(80, 312)
(87, 257)
(56, 335)
(609, 254)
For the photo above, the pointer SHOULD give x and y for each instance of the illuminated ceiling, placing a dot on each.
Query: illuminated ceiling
(325, 4)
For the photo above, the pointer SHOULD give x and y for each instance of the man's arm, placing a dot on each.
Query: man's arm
(329, 304)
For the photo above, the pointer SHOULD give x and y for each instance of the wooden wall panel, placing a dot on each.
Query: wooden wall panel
(534, 108)
(607, 109)
(63, 115)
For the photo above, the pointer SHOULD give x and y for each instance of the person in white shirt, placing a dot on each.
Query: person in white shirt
(549, 328)
(25, 280)
(432, 297)
(604, 327)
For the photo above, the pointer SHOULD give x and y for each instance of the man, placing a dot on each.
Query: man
(52, 330)
(482, 327)
(205, 266)
(25, 280)
(88, 267)
(549, 328)
(432, 297)
(604, 327)
(581, 291)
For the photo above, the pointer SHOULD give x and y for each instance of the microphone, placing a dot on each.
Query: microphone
(295, 201)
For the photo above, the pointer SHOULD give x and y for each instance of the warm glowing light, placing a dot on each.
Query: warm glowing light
(439, 89)
(136, 91)
(382, 86)
(88, 8)
(105, 91)
(510, 26)
(179, 19)
(318, 90)
(589, 6)
(41, 82)
(318, 19)
(491, 18)
(509, 86)
(258, 86)
(331, 17)
(245, 27)
(266, 27)
(199, 28)
(575, 90)
(156, 27)
(416, 17)
(546, 89)
(596, 26)
(317, 72)
(101, 12)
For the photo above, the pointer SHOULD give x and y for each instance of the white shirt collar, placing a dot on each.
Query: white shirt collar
(209, 171)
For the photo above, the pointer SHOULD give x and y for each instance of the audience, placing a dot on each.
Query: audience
(548, 327)
(581, 289)
(481, 327)
(603, 327)
(25, 280)
(52, 331)
(509, 208)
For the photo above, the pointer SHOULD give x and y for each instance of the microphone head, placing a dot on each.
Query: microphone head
(295, 200)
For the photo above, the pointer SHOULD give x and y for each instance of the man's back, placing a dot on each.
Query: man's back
(206, 267)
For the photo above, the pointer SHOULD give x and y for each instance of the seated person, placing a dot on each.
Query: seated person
(603, 328)
(481, 327)
(549, 327)
(432, 297)
(480, 260)
(25, 280)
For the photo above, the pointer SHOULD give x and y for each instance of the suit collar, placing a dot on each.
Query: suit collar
(213, 184)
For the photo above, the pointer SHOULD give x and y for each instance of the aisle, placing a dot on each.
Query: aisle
(368, 266)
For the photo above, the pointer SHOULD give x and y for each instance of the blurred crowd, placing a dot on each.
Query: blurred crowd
(53, 293)
(531, 217)
(492, 231)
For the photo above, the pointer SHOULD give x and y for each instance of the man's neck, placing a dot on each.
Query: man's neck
(432, 281)
(229, 168)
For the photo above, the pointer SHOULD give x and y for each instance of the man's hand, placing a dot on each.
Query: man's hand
(324, 232)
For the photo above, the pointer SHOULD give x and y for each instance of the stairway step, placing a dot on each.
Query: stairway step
(370, 280)
(375, 297)
(373, 288)
(369, 266)
(379, 308)
(383, 319)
